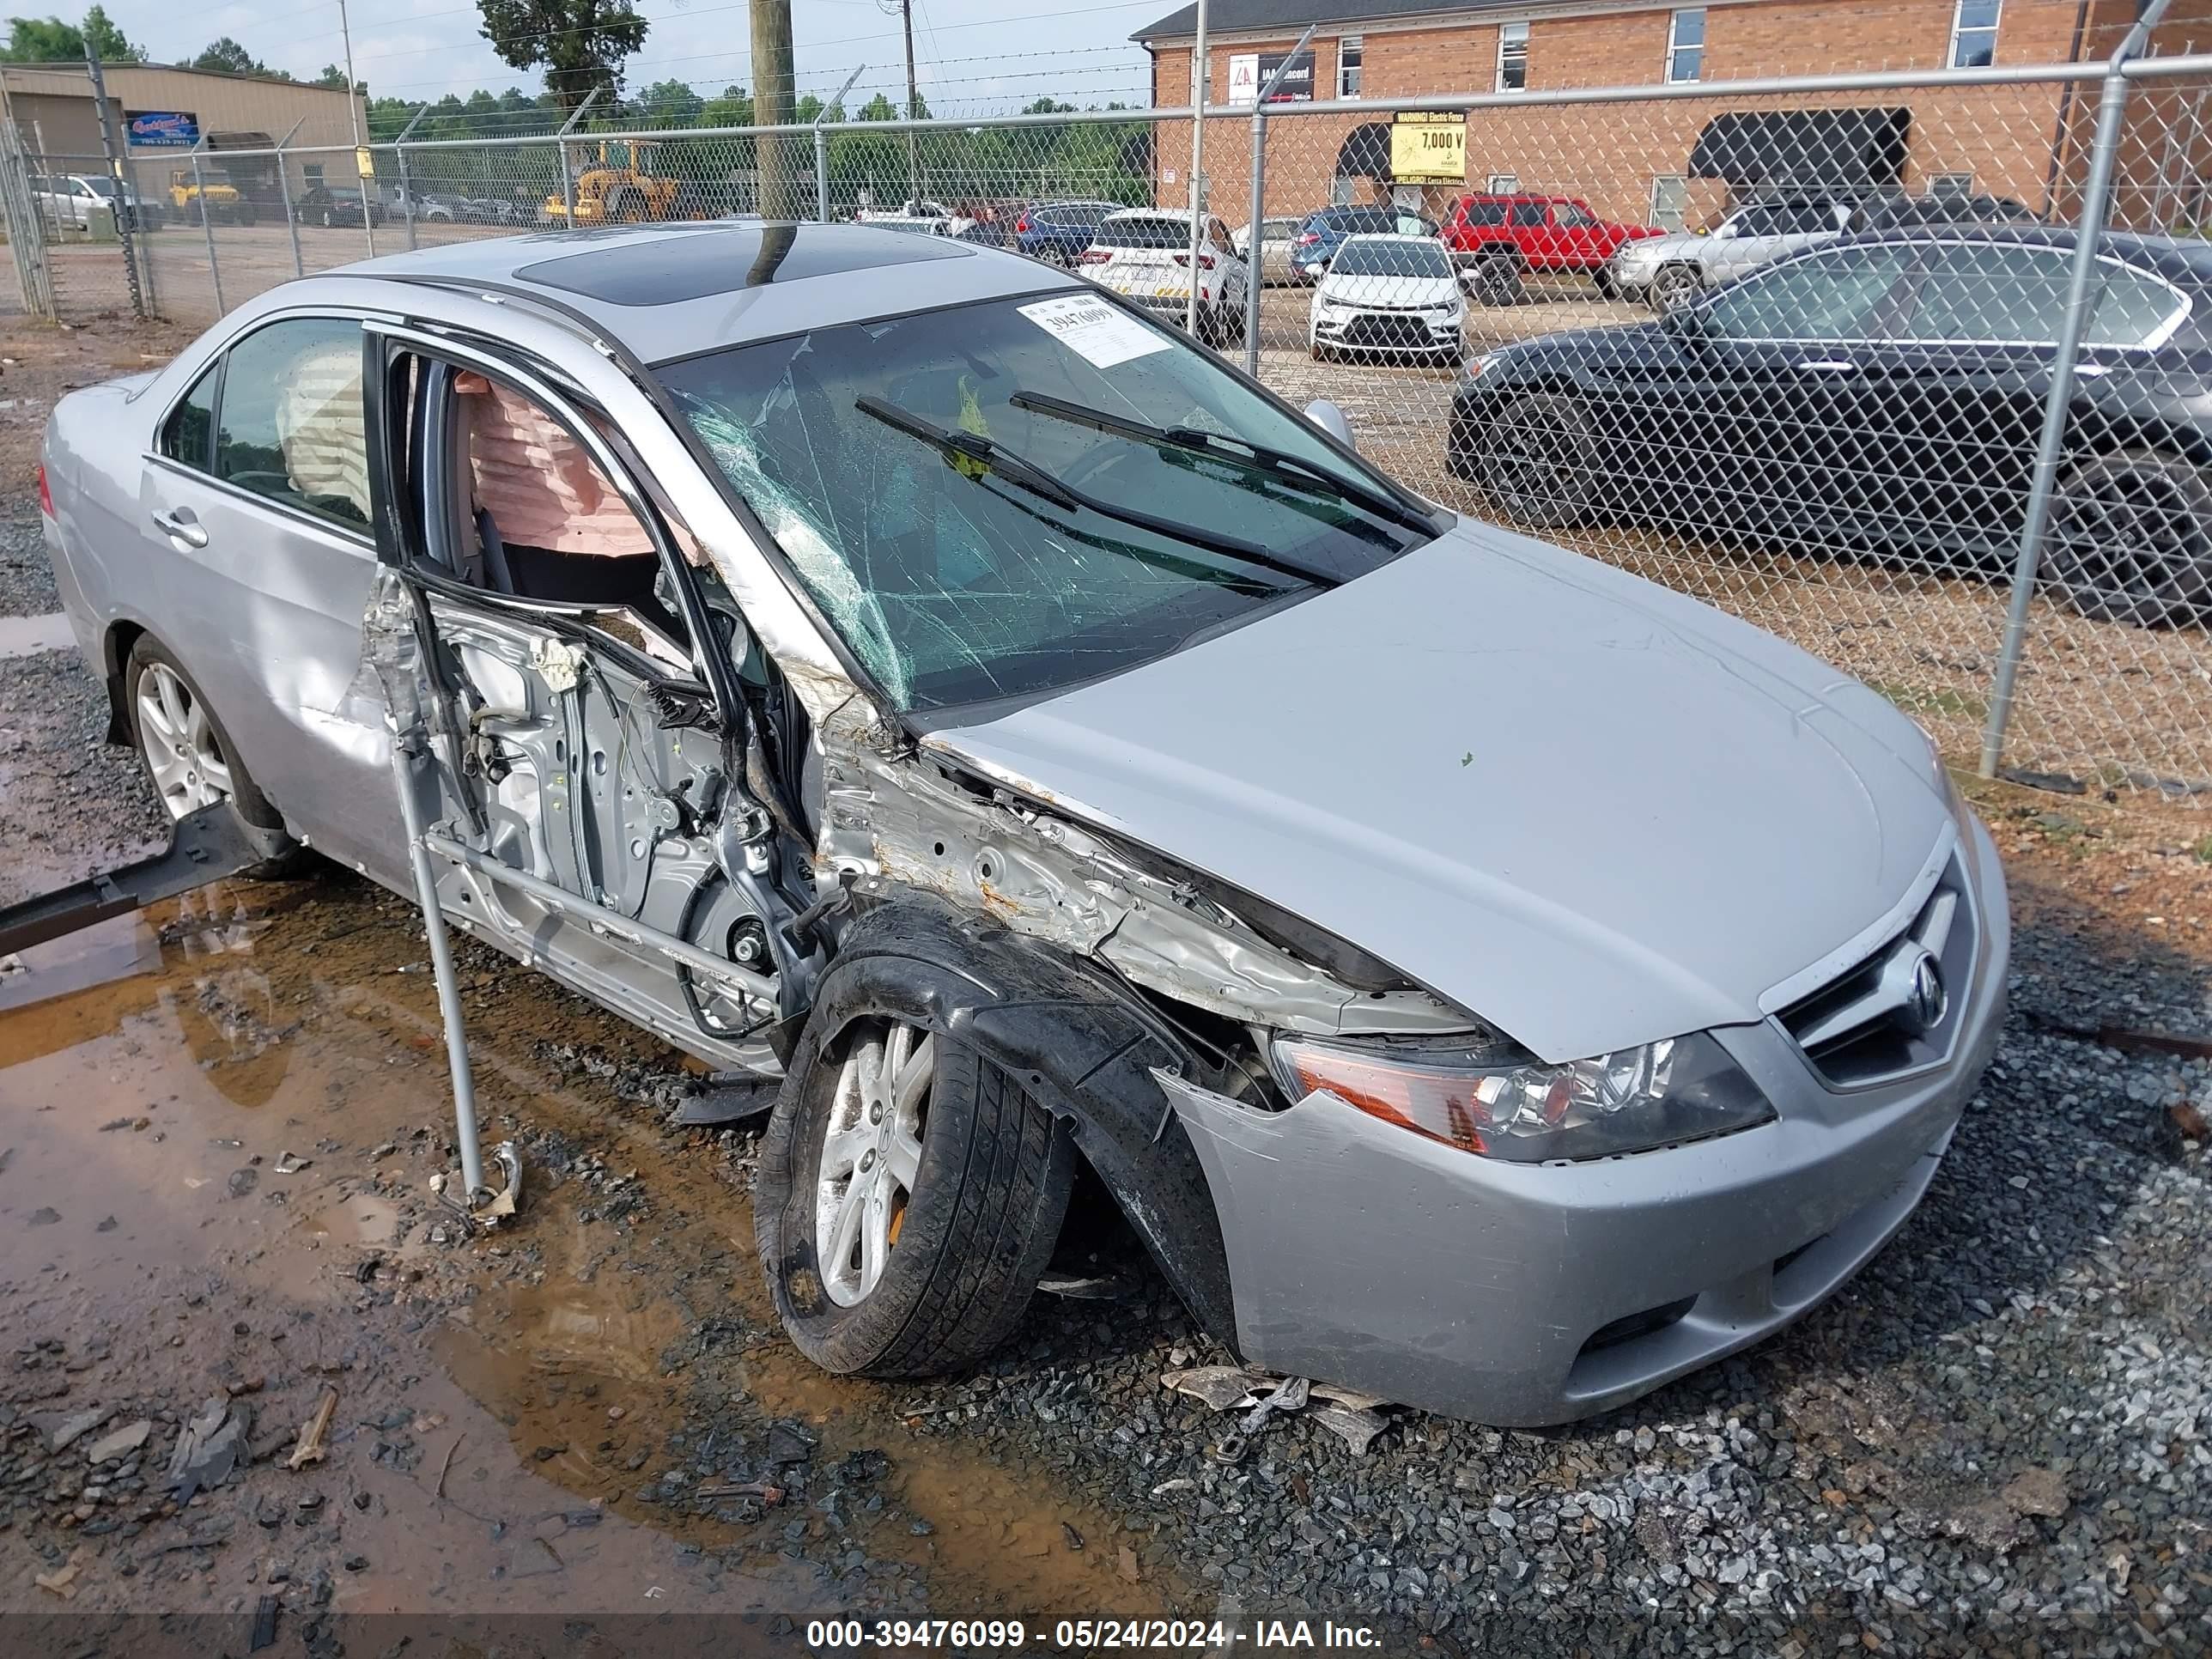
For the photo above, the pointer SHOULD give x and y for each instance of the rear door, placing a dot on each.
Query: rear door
(1954, 405)
(258, 517)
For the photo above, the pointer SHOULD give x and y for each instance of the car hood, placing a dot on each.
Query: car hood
(1673, 243)
(1346, 289)
(1591, 811)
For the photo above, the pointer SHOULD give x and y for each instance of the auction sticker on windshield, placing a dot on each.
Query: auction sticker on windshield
(1096, 332)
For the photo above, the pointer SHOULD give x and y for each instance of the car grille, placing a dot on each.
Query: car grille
(1386, 331)
(1878, 1022)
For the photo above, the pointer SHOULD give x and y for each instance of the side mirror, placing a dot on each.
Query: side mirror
(1686, 323)
(1330, 419)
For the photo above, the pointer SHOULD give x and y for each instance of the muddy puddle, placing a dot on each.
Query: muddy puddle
(217, 1127)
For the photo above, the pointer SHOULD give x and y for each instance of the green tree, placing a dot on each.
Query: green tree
(581, 43)
(228, 55)
(669, 104)
(49, 40)
(335, 78)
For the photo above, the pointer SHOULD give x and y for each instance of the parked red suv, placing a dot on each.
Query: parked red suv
(1503, 236)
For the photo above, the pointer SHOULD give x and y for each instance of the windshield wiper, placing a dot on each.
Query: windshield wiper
(988, 457)
(1241, 451)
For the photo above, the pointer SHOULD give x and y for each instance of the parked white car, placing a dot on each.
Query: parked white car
(934, 218)
(1145, 254)
(70, 199)
(1393, 296)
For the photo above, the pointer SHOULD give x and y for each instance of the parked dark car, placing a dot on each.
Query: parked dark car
(337, 205)
(1059, 231)
(1323, 233)
(1884, 392)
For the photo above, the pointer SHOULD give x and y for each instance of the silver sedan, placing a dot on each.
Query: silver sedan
(1482, 978)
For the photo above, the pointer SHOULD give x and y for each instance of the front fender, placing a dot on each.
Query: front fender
(1084, 1045)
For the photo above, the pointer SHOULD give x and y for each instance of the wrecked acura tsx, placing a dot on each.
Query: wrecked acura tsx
(1482, 978)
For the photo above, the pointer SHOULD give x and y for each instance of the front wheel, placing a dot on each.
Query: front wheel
(2131, 539)
(910, 1196)
(1536, 458)
(1497, 281)
(1674, 287)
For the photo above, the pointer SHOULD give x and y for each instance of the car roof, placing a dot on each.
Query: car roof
(669, 291)
(2178, 258)
(1393, 236)
(1152, 213)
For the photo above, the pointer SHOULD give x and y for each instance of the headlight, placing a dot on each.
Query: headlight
(1629, 1101)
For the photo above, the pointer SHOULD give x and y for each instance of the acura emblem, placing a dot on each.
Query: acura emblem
(1926, 999)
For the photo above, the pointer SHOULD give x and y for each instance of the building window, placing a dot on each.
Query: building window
(1686, 44)
(1670, 201)
(1348, 51)
(1974, 34)
(1503, 183)
(1512, 57)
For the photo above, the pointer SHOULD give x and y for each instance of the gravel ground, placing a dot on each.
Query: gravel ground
(75, 803)
(27, 575)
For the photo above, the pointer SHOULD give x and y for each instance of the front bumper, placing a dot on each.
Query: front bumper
(1523, 1295)
(1386, 333)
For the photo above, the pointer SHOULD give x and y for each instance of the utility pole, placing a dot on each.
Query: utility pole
(1198, 80)
(353, 112)
(913, 113)
(773, 78)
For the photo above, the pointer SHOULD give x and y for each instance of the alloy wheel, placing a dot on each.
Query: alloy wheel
(182, 751)
(1674, 287)
(870, 1157)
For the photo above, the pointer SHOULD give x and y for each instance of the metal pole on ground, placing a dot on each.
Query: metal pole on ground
(284, 193)
(568, 175)
(1255, 241)
(1197, 85)
(2089, 227)
(207, 225)
(441, 970)
(126, 230)
(406, 190)
(822, 150)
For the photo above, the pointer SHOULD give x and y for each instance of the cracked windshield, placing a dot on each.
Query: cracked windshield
(1001, 499)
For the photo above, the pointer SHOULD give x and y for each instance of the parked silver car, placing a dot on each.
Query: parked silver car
(1672, 271)
(1482, 978)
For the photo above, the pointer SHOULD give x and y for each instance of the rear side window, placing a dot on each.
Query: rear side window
(1143, 232)
(188, 436)
(1485, 212)
(1529, 213)
(292, 426)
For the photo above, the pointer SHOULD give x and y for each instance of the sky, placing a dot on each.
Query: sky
(971, 56)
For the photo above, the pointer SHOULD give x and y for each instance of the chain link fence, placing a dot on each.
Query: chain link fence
(1785, 346)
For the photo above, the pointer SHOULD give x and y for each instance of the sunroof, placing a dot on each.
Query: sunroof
(658, 270)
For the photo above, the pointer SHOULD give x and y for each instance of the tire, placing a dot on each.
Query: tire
(327, 222)
(1535, 459)
(148, 663)
(1674, 287)
(1601, 280)
(245, 213)
(969, 1244)
(1497, 280)
(1317, 351)
(2131, 539)
(621, 207)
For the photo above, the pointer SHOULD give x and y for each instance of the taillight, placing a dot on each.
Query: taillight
(1307, 238)
(1022, 225)
(45, 495)
(1204, 261)
(1093, 256)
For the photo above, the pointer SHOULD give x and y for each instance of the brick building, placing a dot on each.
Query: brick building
(1677, 160)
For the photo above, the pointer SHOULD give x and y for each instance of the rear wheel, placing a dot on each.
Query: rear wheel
(245, 213)
(910, 1196)
(2131, 539)
(189, 759)
(1536, 459)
